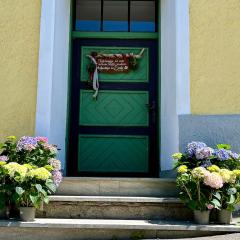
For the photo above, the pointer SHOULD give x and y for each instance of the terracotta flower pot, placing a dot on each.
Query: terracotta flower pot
(27, 214)
(201, 217)
(224, 216)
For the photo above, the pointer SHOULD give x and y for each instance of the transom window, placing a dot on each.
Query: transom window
(116, 16)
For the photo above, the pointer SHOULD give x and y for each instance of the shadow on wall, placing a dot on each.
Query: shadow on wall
(211, 129)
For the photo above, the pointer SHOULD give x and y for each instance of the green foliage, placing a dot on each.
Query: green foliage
(224, 146)
(38, 156)
(25, 177)
(137, 236)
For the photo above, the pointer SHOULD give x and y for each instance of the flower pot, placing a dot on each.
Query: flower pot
(27, 214)
(224, 216)
(201, 217)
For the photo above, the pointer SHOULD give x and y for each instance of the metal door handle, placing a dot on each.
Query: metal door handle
(151, 106)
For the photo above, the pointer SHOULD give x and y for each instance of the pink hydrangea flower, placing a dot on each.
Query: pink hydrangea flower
(213, 180)
(3, 158)
(57, 177)
(29, 147)
(42, 139)
(50, 147)
(55, 163)
(210, 206)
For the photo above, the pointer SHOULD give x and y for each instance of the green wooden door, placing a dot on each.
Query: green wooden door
(114, 135)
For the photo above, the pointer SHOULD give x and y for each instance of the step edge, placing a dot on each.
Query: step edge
(60, 198)
(167, 180)
(119, 224)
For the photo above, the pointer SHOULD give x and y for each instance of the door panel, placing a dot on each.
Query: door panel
(102, 153)
(114, 108)
(115, 135)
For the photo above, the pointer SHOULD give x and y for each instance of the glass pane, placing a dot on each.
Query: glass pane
(115, 16)
(142, 16)
(88, 15)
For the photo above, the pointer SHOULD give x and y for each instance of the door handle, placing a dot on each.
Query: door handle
(151, 106)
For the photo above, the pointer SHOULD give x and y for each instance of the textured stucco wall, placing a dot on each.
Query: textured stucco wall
(19, 44)
(211, 129)
(215, 56)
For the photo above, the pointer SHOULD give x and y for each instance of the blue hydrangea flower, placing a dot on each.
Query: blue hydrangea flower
(193, 146)
(233, 155)
(206, 164)
(222, 154)
(204, 153)
(25, 142)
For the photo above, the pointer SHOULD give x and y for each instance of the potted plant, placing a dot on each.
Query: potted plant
(29, 173)
(208, 178)
(196, 193)
(229, 195)
(3, 189)
(30, 187)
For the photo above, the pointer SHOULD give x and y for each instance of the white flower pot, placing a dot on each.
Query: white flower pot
(224, 216)
(27, 214)
(201, 217)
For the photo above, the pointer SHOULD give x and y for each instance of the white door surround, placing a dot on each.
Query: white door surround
(52, 92)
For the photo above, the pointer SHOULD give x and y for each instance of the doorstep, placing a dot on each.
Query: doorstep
(107, 229)
(108, 186)
(120, 224)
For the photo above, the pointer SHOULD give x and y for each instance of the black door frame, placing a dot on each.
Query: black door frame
(152, 87)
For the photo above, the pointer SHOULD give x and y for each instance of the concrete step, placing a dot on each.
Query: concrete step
(115, 207)
(73, 229)
(141, 187)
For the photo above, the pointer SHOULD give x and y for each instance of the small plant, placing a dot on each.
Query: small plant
(208, 178)
(29, 171)
(27, 185)
(137, 236)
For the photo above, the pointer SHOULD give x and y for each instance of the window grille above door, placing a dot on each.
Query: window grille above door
(116, 16)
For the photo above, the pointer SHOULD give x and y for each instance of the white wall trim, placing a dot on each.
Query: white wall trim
(175, 97)
(51, 115)
(52, 94)
(182, 57)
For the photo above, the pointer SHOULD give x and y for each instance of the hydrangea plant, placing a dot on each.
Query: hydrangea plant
(208, 177)
(29, 170)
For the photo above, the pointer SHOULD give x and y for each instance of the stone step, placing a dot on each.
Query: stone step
(113, 207)
(141, 187)
(78, 229)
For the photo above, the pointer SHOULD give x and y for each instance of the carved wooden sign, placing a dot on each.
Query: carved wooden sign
(112, 64)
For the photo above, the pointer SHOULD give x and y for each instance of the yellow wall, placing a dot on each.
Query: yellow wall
(19, 43)
(215, 56)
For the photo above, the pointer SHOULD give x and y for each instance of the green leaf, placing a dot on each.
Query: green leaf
(217, 195)
(19, 191)
(232, 199)
(192, 205)
(44, 192)
(224, 146)
(36, 200)
(51, 186)
(38, 187)
(216, 203)
(231, 191)
(231, 207)
(46, 199)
